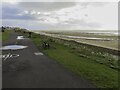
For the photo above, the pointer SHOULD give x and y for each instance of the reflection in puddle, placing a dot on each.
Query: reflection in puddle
(20, 37)
(13, 47)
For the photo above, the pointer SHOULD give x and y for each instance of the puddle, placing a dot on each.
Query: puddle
(21, 37)
(13, 47)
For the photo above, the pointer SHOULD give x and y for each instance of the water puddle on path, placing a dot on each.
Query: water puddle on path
(13, 47)
(21, 37)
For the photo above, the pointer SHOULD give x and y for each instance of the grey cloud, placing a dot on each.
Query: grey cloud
(95, 4)
(52, 6)
(12, 13)
(83, 23)
(46, 6)
(32, 25)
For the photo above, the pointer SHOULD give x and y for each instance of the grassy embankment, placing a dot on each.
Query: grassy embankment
(113, 44)
(98, 67)
(5, 35)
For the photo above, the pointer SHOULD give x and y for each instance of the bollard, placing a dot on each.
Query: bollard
(3, 29)
(30, 34)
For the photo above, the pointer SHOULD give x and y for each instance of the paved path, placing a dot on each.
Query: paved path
(36, 71)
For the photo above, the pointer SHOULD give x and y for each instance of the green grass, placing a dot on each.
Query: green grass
(0, 36)
(79, 60)
(5, 35)
(100, 75)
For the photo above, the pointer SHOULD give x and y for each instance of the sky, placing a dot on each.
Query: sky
(60, 15)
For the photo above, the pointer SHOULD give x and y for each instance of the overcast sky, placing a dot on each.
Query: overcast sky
(61, 15)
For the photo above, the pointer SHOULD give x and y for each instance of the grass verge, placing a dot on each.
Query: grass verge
(5, 35)
(82, 63)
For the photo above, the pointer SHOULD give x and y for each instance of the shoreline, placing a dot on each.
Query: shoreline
(78, 39)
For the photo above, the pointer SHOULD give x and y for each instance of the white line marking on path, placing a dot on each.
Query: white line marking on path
(38, 53)
(9, 55)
